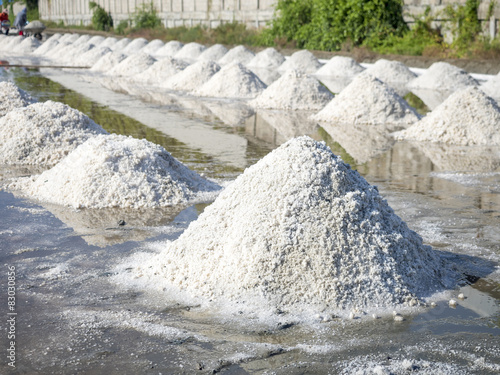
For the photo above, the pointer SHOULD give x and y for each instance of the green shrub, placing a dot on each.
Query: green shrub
(465, 25)
(122, 26)
(146, 17)
(101, 20)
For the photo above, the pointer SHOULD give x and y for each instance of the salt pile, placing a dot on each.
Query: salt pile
(132, 65)
(468, 117)
(55, 36)
(82, 39)
(238, 54)
(232, 81)
(12, 97)
(108, 62)
(90, 57)
(108, 42)
(69, 38)
(46, 47)
(66, 55)
(303, 61)
(170, 48)
(121, 44)
(161, 70)
(367, 100)
(340, 66)
(153, 46)
(267, 59)
(52, 53)
(492, 87)
(299, 231)
(12, 42)
(443, 76)
(213, 53)
(43, 133)
(28, 45)
(295, 91)
(96, 40)
(391, 71)
(190, 52)
(192, 77)
(118, 171)
(135, 46)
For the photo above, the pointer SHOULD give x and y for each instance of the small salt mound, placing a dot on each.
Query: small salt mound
(46, 47)
(303, 61)
(299, 231)
(170, 48)
(161, 70)
(367, 100)
(190, 52)
(232, 81)
(391, 71)
(90, 57)
(108, 42)
(53, 52)
(82, 39)
(13, 42)
(134, 64)
(152, 47)
(213, 53)
(43, 133)
(12, 97)
(296, 91)
(28, 45)
(468, 117)
(108, 62)
(192, 77)
(56, 36)
(121, 44)
(340, 66)
(492, 87)
(118, 171)
(135, 46)
(267, 59)
(67, 55)
(96, 40)
(444, 77)
(238, 54)
(69, 38)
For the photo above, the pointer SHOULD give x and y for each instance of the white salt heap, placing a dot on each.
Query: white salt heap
(391, 71)
(69, 38)
(109, 42)
(161, 70)
(90, 57)
(117, 171)
(121, 45)
(134, 46)
(267, 59)
(170, 48)
(96, 40)
(192, 77)
(107, 62)
(52, 53)
(12, 42)
(12, 97)
(294, 91)
(55, 36)
(232, 81)
(152, 47)
(28, 45)
(468, 117)
(190, 52)
(66, 56)
(82, 39)
(43, 133)
(49, 45)
(444, 77)
(303, 61)
(132, 65)
(299, 231)
(367, 100)
(238, 54)
(340, 66)
(213, 53)
(492, 87)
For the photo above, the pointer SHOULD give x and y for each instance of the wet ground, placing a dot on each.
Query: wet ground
(73, 316)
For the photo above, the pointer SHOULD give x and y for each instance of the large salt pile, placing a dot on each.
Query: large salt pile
(43, 133)
(303, 61)
(340, 66)
(66, 55)
(232, 81)
(170, 48)
(121, 45)
(12, 97)
(109, 42)
(152, 47)
(391, 71)
(135, 46)
(12, 42)
(213, 53)
(492, 87)
(47, 46)
(52, 53)
(55, 36)
(190, 52)
(118, 171)
(96, 40)
(192, 77)
(134, 64)
(28, 45)
(107, 62)
(161, 70)
(267, 59)
(82, 39)
(467, 117)
(299, 231)
(69, 38)
(238, 54)
(296, 91)
(444, 77)
(367, 100)
(92, 56)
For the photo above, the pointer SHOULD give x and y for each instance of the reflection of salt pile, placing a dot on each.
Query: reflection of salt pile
(213, 53)
(170, 48)
(288, 124)
(267, 59)
(190, 52)
(153, 46)
(43, 133)
(89, 58)
(232, 113)
(12, 97)
(303, 61)
(232, 81)
(467, 117)
(367, 100)
(238, 54)
(193, 76)
(107, 62)
(161, 70)
(492, 87)
(340, 66)
(118, 171)
(296, 91)
(28, 45)
(391, 71)
(444, 77)
(134, 46)
(134, 64)
(299, 230)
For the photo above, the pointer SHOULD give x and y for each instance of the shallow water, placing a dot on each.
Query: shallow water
(74, 318)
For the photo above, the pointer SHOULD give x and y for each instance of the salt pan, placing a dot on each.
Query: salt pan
(132, 65)
(192, 77)
(340, 66)
(213, 53)
(238, 54)
(267, 59)
(444, 77)
(303, 61)
(12, 97)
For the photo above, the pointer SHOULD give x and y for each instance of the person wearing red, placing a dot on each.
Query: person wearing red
(4, 17)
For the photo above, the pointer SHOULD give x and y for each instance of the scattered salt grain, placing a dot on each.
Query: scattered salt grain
(170, 48)
(12, 97)
(107, 62)
(190, 52)
(238, 54)
(461, 296)
(452, 303)
(152, 47)
(444, 77)
(161, 70)
(134, 46)
(192, 77)
(132, 65)
(340, 66)
(267, 59)
(303, 61)
(213, 53)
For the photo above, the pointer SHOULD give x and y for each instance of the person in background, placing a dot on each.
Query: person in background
(4, 17)
(21, 19)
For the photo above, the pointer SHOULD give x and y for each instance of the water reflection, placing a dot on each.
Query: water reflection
(432, 98)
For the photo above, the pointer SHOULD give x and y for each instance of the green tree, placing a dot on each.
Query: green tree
(101, 20)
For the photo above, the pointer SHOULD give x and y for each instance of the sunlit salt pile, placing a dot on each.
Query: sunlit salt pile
(492, 87)
(56, 36)
(96, 40)
(267, 59)
(303, 61)
(82, 39)
(47, 46)
(367, 100)
(108, 62)
(90, 57)
(340, 66)
(28, 45)
(132, 65)
(468, 117)
(152, 47)
(170, 48)
(232, 81)
(294, 91)
(43, 133)
(121, 45)
(213, 53)
(134, 46)
(190, 52)
(53, 52)
(444, 77)
(192, 77)
(108, 42)
(238, 54)
(69, 38)
(391, 71)
(12, 97)
(298, 231)
(161, 70)
(118, 171)
(12, 42)
(67, 55)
